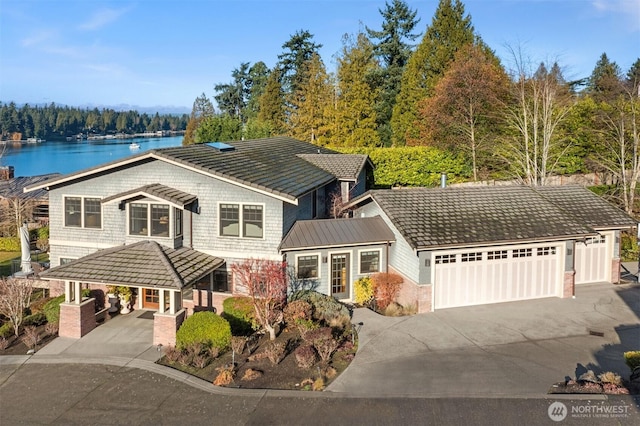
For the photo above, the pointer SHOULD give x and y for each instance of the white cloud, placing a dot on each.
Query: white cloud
(628, 9)
(37, 38)
(102, 18)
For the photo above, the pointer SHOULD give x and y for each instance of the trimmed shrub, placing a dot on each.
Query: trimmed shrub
(38, 305)
(51, 309)
(240, 314)
(10, 244)
(34, 319)
(6, 330)
(204, 328)
(325, 308)
(296, 310)
(632, 358)
(275, 351)
(363, 291)
(387, 286)
(305, 356)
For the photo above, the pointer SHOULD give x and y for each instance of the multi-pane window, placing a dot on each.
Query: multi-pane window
(471, 257)
(230, 220)
(177, 218)
(159, 220)
(445, 258)
(546, 251)
(497, 254)
(600, 239)
(307, 267)
(252, 221)
(138, 221)
(523, 252)
(251, 216)
(369, 261)
(82, 212)
(92, 213)
(73, 211)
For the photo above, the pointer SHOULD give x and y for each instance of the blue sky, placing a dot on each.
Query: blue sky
(167, 52)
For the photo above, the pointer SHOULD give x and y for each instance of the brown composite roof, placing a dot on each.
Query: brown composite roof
(326, 233)
(450, 217)
(146, 263)
(587, 207)
(343, 166)
(157, 190)
(270, 165)
(14, 188)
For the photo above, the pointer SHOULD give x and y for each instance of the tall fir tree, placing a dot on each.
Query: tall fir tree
(298, 50)
(392, 47)
(606, 81)
(354, 116)
(202, 108)
(272, 111)
(450, 30)
(308, 115)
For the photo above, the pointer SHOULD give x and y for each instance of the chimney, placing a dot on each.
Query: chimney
(443, 180)
(6, 172)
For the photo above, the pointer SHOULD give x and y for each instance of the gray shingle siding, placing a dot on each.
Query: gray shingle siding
(401, 256)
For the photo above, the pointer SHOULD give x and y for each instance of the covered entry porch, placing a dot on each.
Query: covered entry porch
(156, 277)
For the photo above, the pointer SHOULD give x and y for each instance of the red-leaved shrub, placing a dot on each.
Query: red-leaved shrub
(386, 287)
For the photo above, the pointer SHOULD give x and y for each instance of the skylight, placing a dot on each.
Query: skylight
(221, 146)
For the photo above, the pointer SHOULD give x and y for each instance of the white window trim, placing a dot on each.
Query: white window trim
(360, 261)
(241, 221)
(65, 257)
(350, 277)
(319, 255)
(82, 212)
(148, 202)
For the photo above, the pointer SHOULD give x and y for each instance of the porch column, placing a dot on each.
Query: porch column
(78, 292)
(161, 307)
(68, 290)
(172, 302)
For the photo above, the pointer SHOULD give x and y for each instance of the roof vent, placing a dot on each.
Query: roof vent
(221, 146)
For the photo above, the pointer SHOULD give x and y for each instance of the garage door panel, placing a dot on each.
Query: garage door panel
(534, 274)
(591, 260)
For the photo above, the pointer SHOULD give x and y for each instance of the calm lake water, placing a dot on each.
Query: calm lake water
(68, 157)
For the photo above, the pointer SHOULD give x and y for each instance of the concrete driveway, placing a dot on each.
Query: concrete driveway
(503, 350)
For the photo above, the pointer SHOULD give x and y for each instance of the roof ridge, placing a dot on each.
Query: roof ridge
(167, 263)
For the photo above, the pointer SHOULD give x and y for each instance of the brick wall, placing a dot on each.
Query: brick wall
(569, 284)
(615, 271)
(165, 327)
(420, 296)
(77, 320)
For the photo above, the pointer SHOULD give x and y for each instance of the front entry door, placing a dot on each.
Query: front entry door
(340, 275)
(151, 299)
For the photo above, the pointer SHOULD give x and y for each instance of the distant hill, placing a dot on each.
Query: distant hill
(160, 109)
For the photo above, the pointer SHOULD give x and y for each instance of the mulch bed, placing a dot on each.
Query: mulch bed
(17, 347)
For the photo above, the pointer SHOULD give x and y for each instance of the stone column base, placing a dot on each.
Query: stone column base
(165, 326)
(425, 298)
(569, 285)
(76, 320)
(615, 271)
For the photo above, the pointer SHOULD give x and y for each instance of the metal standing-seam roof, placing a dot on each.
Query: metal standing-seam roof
(587, 207)
(326, 233)
(450, 217)
(145, 263)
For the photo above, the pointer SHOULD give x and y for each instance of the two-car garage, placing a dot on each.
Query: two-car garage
(502, 274)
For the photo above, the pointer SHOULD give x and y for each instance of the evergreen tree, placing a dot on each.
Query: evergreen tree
(393, 49)
(232, 97)
(450, 30)
(633, 78)
(257, 81)
(202, 108)
(354, 121)
(298, 51)
(272, 104)
(605, 82)
(307, 119)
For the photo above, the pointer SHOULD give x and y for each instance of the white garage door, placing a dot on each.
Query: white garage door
(591, 260)
(476, 278)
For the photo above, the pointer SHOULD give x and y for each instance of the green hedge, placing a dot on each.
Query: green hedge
(6, 330)
(10, 244)
(52, 309)
(413, 165)
(205, 328)
(240, 313)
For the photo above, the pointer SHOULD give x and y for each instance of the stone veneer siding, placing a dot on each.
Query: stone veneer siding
(76, 320)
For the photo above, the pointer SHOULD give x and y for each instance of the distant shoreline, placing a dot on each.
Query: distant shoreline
(163, 134)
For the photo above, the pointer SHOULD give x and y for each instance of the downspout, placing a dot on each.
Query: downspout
(191, 228)
(387, 257)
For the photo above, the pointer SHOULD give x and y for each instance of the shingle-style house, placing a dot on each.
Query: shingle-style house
(468, 246)
(168, 223)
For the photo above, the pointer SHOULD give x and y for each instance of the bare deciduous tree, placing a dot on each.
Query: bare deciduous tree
(542, 101)
(15, 297)
(266, 283)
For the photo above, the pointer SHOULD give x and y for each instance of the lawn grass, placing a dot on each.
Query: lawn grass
(6, 257)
